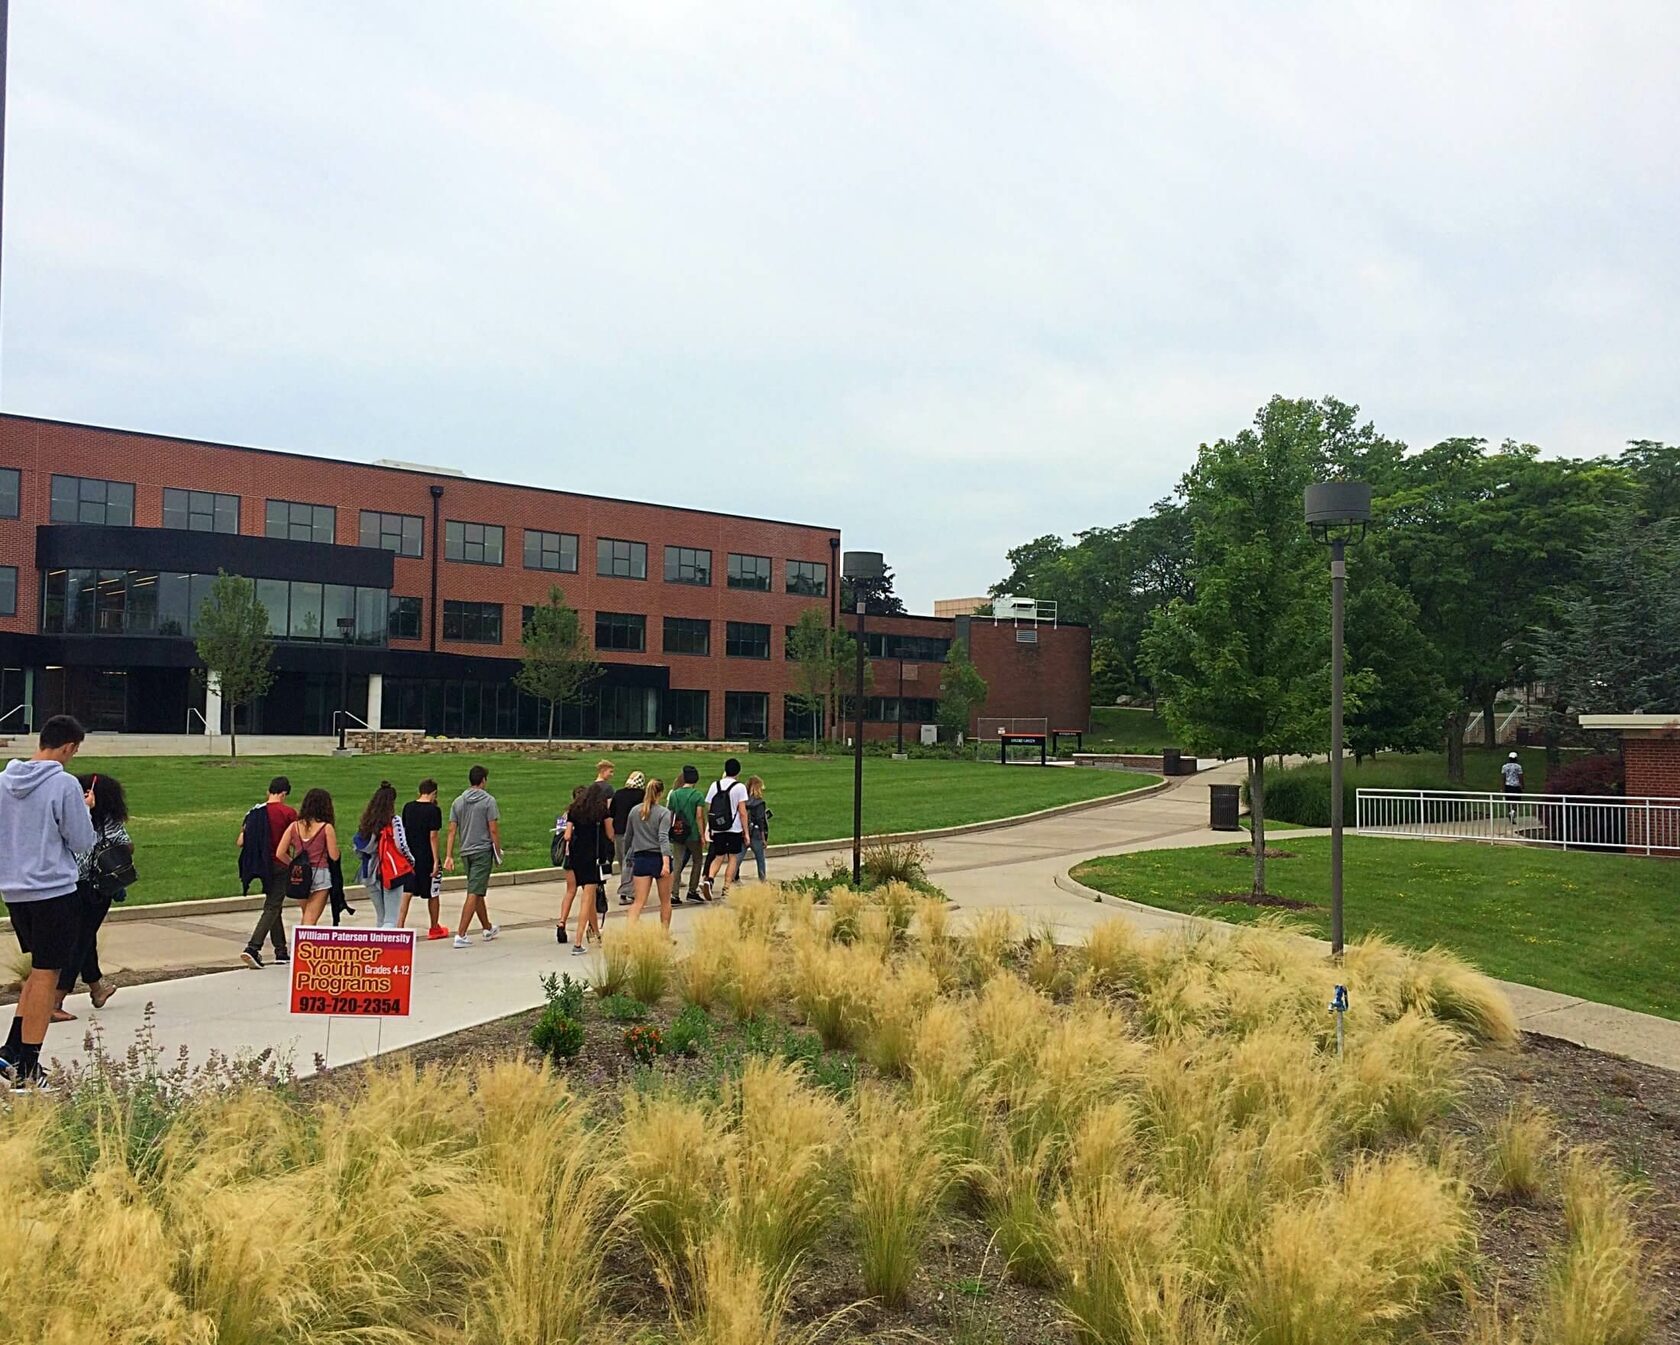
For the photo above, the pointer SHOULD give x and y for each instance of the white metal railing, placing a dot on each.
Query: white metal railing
(1570, 821)
(194, 712)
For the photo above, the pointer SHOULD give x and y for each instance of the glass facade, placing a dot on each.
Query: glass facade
(746, 714)
(400, 533)
(751, 572)
(798, 721)
(910, 648)
(82, 499)
(887, 709)
(808, 578)
(687, 565)
(472, 622)
(623, 631)
(687, 635)
(687, 714)
(556, 551)
(150, 602)
(477, 708)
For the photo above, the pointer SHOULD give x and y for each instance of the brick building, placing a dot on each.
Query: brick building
(407, 586)
(1650, 770)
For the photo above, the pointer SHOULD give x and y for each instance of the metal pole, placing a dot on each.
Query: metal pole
(857, 757)
(343, 684)
(1338, 585)
(901, 705)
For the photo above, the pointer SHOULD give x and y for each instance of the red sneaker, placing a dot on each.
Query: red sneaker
(437, 932)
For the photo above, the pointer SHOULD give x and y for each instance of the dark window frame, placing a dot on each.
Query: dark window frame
(382, 530)
(14, 491)
(541, 537)
(732, 700)
(392, 609)
(735, 638)
(633, 549)
(625, 622)
(469, 619)
(679, 559)
(8, 581)
(83, 499)
(689, 625)
(741, 578)
(313, 523)
(796, 581)
(457, 543)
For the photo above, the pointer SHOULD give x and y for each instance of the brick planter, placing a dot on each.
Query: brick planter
(414, 742)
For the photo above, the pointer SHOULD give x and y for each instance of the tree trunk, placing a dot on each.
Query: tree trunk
(1257, 820)
(1455, 746)
(1490, 725)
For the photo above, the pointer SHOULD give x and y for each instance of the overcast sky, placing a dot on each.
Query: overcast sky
(946, 276)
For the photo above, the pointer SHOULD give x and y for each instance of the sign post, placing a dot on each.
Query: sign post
(352, 973)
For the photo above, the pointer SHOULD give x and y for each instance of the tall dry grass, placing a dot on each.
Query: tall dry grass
(1520, 1155)
(648, 950)
(899, 1174)
(1597, 1294)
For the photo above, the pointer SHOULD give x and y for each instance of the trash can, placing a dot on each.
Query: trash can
(1224, 800)
(1169, 761)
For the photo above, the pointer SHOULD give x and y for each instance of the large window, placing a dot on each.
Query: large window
(687, 635)
(82, 499)
(800, 720)
(887, 709)
(392, 532)
(747, 639)
(618, 559)
(472, 543)
(300, 522)
(404, 618)
(686, 714)
(8, 590)
(807, 577)
(749, 572)
(152, 602)
(551, 551)
(200, 511)
(626, 631)
(687, 565)
(472, 622)
(11, 491)
(910, 648)
(746, 714)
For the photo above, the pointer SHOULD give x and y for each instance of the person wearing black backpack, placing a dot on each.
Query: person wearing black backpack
(102, 876)
(726, 821)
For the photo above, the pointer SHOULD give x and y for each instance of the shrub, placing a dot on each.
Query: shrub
(1522, 1149)
(887, 861)
(752, 978)
(675, 1149)
(691, 1030)
(644, 1042)
(899, 1177)
(565, 994)
(1599, 776)
(702, 974)
(1596, 1295)
(623, 1009)
(649, 951)
(557, 1034)
(612, 964)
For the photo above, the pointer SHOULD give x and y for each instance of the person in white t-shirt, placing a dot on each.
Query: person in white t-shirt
(1511, 772)
(725, 820)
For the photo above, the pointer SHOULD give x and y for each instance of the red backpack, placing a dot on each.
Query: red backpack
(394, 865)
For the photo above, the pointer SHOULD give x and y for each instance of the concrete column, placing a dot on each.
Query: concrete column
(212, 703)
(376, 698)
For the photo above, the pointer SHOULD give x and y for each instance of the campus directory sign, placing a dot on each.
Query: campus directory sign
(352, 973)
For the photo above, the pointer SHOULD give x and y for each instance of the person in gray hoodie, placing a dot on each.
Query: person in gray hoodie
(44, 825)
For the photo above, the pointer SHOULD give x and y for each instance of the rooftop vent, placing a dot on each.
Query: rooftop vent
(418, 467)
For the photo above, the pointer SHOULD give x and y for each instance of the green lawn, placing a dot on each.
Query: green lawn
(187, 809)
(1119, 728)
(1605, 927)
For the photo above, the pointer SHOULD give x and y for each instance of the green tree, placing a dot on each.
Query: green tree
(812, 645)
(879, 598)
(1241, 666)
(962, 691)
(1404, 699)
(557, 661)
(231, 636)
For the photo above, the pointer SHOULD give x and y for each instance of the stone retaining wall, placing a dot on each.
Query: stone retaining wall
(1133, 761)
(415, 741)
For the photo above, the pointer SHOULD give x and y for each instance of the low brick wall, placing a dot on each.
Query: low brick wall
(1132, 761)
(415, 741)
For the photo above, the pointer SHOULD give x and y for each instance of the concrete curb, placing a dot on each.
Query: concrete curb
(202, 906)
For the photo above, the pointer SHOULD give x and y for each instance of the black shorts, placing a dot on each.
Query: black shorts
(48, 930)
(647, 864)
(727, 842)
(587, 870)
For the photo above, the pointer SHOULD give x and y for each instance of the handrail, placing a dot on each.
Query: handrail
(21, 705)
(1569, 821)
(338, 718)
(194, 710)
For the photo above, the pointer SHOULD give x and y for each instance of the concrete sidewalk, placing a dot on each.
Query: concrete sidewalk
(1023, 868)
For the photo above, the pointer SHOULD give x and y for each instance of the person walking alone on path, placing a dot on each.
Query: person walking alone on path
(687, 846)
(259, 842)
(583, 858)
(422, 819)
(108, 812)
(312, 841)
(382, 843)
(475, 819)
(619, 823)
(1511, 773)
(562, 850)
(758, 821)
(649, 844)
(726, 823)
(45, 823)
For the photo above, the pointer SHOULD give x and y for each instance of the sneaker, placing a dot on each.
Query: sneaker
(281, 957)
(578, 950)
(492, 932)
(252, 959)
(462, 941)
(560, 934)
(37, 1084)
(706, 887)
(437, 932)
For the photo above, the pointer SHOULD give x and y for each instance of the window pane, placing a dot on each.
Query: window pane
(63, 499)
(746, 714)
(751, 572)
(80, 601)
(111, 603)
(142, 602)
(8, 590)
(11, 490)
(227, 513)
(371, 605)
(747, 639)
(306, 612)
(174, 597)
(198, 594)
(808, 578)
(338, 603)
(403, 622)
(273, 594)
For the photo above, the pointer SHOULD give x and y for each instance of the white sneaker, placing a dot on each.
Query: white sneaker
(492, 932)
(461, 941)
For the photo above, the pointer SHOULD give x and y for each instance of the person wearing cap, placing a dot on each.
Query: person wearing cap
(618, 826)
(1511, 772)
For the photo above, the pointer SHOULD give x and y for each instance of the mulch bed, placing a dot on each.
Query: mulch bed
(1630, 1111)
(1247, 852)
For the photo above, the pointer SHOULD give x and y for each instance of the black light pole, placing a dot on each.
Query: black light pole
(900, 715)
(1337, 512)
(863, 568)
(346, 626)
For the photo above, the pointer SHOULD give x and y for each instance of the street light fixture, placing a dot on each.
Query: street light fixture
(864, 569)
(1337, 514)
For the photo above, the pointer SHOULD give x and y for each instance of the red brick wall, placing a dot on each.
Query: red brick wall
(41, 448)
(1653, 767)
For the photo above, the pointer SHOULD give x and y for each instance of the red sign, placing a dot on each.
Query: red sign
(358, 973)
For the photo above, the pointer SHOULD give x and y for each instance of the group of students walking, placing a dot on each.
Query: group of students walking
(653, 838)
(65, 857)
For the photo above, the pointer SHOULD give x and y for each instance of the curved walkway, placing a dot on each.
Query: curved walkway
(1023, 868)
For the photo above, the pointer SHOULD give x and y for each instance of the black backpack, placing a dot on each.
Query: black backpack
(111, 869)
(720, 812)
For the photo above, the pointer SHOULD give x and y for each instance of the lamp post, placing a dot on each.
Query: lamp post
(1337, 512)
(864, 569)
(346, 627)
(900, 714)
